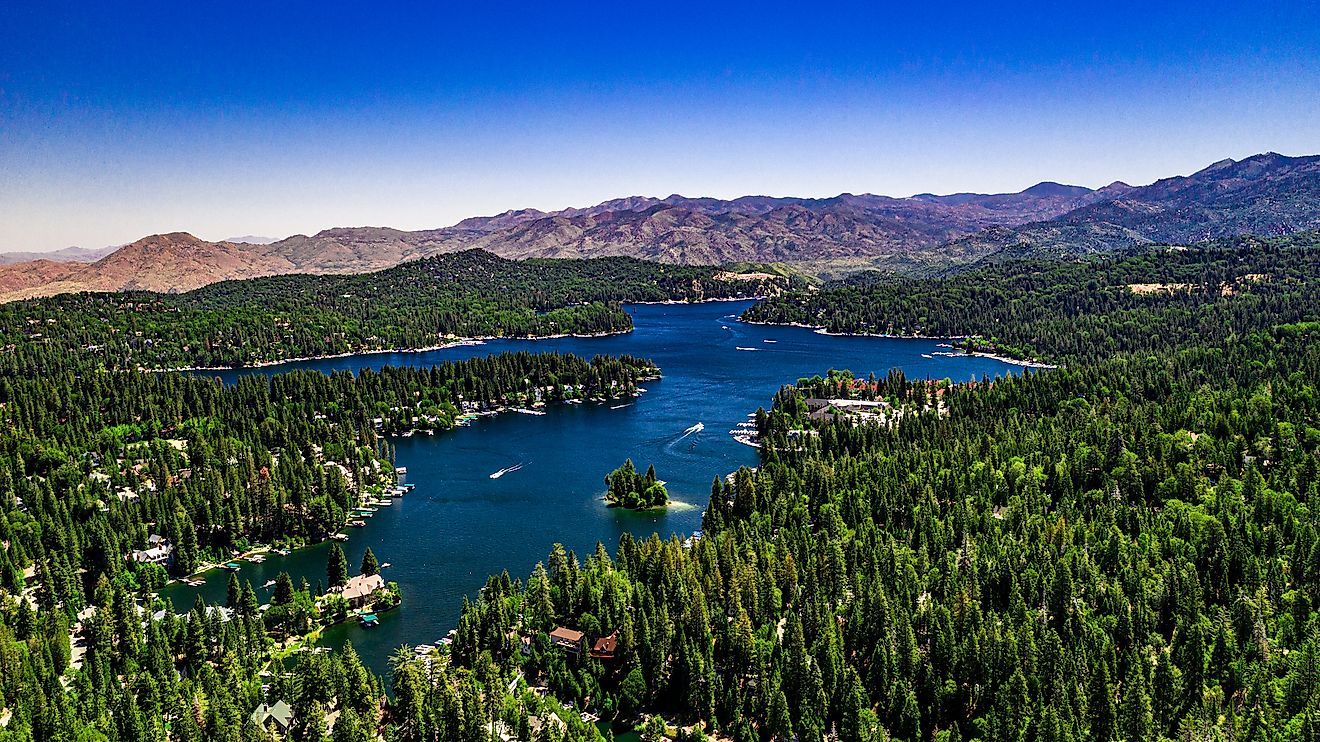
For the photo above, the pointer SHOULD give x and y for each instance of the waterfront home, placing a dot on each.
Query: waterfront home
(566, 638)
(604, 648)
(162, 554)
(278, 717)
(359, 589)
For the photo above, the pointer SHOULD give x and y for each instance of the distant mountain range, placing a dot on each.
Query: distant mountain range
(1266, 194)
(68, 254)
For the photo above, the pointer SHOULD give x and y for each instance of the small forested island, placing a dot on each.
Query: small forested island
(627, 488)
(422, 304)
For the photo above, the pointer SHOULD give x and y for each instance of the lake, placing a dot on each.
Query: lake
(459, 525)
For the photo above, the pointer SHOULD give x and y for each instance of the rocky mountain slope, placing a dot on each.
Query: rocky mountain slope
(1265, 194)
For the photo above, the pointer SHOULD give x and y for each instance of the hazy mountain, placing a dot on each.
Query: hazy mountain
(252, 239)
(1263, 194)
(64, 255)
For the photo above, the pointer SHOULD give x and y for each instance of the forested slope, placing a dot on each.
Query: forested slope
(1123, 549)
(415, 305)
(1160, 299)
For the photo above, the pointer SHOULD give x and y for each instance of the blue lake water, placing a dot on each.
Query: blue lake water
(459, 525)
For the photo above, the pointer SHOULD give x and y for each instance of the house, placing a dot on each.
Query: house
(524, 642)
(604, 648)
(535, 723)
(162, 555)
(278, 717)
(566, 638)
(358, 590)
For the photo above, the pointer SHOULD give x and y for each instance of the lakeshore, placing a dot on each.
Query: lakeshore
(821, 330)
(464, 342)
(460, 525)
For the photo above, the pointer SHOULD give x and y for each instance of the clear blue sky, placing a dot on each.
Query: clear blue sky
(223, 118)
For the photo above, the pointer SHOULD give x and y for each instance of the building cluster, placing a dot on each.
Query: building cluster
(159, 551)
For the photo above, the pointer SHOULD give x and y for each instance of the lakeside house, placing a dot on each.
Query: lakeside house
(604, 648)
(278, 717)
(158, 551)
(858, 410)
(359, 589)
(566, 638)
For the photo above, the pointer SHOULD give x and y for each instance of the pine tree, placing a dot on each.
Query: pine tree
(284, 591)
(369, 564)
(233, 593)
(336, 568)
(1135, 716)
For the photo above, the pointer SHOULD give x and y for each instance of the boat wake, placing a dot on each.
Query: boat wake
(739, 347)
(620, 406)
(506, 470)
(694, 429)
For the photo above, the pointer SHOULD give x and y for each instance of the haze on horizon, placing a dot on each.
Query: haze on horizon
(279, 118)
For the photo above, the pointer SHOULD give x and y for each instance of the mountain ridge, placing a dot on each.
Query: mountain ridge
(1266, 194)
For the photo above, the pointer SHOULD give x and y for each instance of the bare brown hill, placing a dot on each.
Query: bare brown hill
(1263, 194)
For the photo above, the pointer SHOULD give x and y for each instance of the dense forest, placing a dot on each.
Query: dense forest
(99, 468)
(416, 305)
(1160, 299)
(1121, 549)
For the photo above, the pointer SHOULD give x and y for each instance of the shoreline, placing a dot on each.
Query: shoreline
(820, 330)
(203, 571)
(700, 301)
(502, 410)
(1015, 361)
(457, 343)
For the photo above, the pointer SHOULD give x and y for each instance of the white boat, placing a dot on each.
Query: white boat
(506, 470)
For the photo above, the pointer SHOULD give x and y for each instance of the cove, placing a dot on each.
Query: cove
(460, 525)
